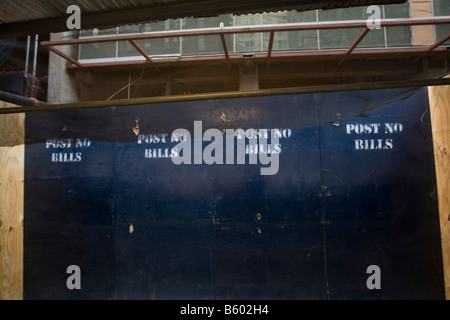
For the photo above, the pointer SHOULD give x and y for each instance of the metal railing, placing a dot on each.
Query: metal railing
(267, 56)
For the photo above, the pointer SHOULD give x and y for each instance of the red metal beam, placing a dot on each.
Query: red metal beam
(225, 50)
(269, 50)
(438, 43)
(355, 43)
(263, 28)
(255, 29)
(434, 46)
(141, 51)
(358, 40)
(65, 56)
(363, 53)
(289, 56)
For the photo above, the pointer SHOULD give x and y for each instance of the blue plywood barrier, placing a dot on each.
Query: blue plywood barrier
(355, 187)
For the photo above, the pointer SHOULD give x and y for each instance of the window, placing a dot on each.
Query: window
(201, 43)
(293, 40)
(102, 50)
(259, 42)
(397, 36)
(248, 42)
(205, 44)
(442, 8)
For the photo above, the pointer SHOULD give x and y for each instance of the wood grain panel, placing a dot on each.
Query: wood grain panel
(440, 119)
(12, 152)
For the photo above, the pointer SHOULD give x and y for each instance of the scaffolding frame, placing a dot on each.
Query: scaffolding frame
(339, 54)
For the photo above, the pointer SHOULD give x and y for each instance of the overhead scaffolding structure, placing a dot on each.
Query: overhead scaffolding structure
(436, 49)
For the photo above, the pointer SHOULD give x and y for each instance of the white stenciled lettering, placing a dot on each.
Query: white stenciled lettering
(160, 153)
(152, 138)
(367, 128)
(373, 144)
(58, 143)
(66, 157)
(262, 149)
(377, 136)
(70, 145)
(218, 146)
(393, 128)
(83, 143)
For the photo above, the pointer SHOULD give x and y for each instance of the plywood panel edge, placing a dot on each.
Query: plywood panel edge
(12, 160)
(440, 120)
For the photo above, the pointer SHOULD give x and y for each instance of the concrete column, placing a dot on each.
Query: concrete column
(62, 85)
(248, 75)
(168, 87)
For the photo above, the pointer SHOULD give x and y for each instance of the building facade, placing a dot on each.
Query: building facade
(168, 64)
